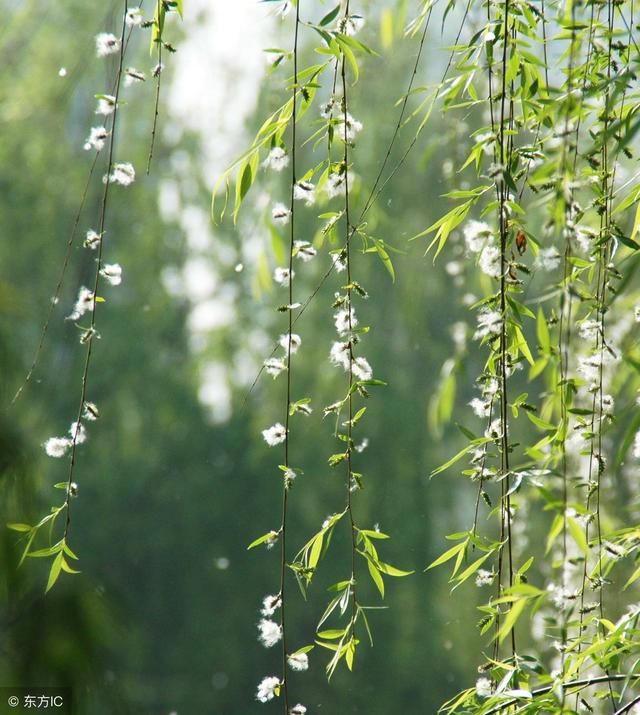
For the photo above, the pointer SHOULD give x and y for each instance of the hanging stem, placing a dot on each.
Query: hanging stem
(287, 417)
(504, 162)
(348, 236)
(58, 289)
(157, 99)
(96, 282)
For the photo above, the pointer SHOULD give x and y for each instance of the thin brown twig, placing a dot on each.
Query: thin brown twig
(59, 284)
(287, 438)
(157, 100)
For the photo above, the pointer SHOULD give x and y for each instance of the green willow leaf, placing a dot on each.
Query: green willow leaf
(471, 446)
(330, 16)
(54, 572)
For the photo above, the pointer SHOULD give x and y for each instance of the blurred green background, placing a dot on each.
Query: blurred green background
(175, 479)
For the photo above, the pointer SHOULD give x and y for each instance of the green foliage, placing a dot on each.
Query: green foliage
(546, 171)
(540, 245)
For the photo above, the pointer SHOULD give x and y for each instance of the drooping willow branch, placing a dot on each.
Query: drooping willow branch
(349, 304)
(58, 289)
(96, 284)
(287, 416)
(158, 72)
(579, 684)
(67, 255)
(504, 144)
